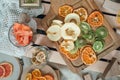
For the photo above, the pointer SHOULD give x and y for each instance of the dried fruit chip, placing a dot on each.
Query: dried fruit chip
(29, 76)
(41, 78)
(88, 55)
(48, 77)
(95, 19)
(82, 12)
(65, 10)
(72, 56)
(36, 73)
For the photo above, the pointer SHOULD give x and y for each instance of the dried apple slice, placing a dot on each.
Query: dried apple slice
(68, 45)
(70, 31)
(72, 17)
(57, 22)
(54, 32)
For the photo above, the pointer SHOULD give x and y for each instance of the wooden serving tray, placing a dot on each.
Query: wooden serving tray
(111, 41)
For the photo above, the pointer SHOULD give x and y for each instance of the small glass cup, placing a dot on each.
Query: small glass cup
(35, 51)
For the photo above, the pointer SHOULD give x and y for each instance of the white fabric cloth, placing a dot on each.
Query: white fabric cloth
(9, 12)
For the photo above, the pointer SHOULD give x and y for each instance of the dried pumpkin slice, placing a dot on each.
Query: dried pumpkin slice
(95, 19)
(82, 12)
(65, 10)
(88, 56)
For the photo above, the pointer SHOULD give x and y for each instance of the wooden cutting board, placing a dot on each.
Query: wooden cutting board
(112, 40)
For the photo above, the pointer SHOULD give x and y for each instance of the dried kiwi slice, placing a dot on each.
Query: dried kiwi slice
(101, 32)
(98, 45)
(80, 42)
(85, 27)
(90, 36)
(73, 51)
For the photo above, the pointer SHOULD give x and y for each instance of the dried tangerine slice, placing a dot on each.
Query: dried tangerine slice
(82, 12)
(88, 55)
(65, 10)
(95, 19)
(36, 73)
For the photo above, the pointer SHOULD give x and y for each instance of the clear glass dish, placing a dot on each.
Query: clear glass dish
(12, 39)
(33, 52)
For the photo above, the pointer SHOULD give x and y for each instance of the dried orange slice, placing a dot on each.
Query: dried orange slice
(34, 79)
(65, 10)
(48, 77)
(68, 54)
(41, 78)
(88, 55)
(29, 76)
(72, 56)
(95, 19)
(63, 50)
(36, 73)
(82, 12)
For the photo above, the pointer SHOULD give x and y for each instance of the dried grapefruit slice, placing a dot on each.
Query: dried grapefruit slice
(82, 12)
(8, 68)
(88, 55)
(2, 72)
(95, 19)
(65, 10)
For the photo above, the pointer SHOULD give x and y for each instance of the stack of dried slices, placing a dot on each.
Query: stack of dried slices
(36, 74)
(82, 35)
(6, 69)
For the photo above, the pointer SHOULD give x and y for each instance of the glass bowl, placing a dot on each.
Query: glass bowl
(39, 55)
(12, 38)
